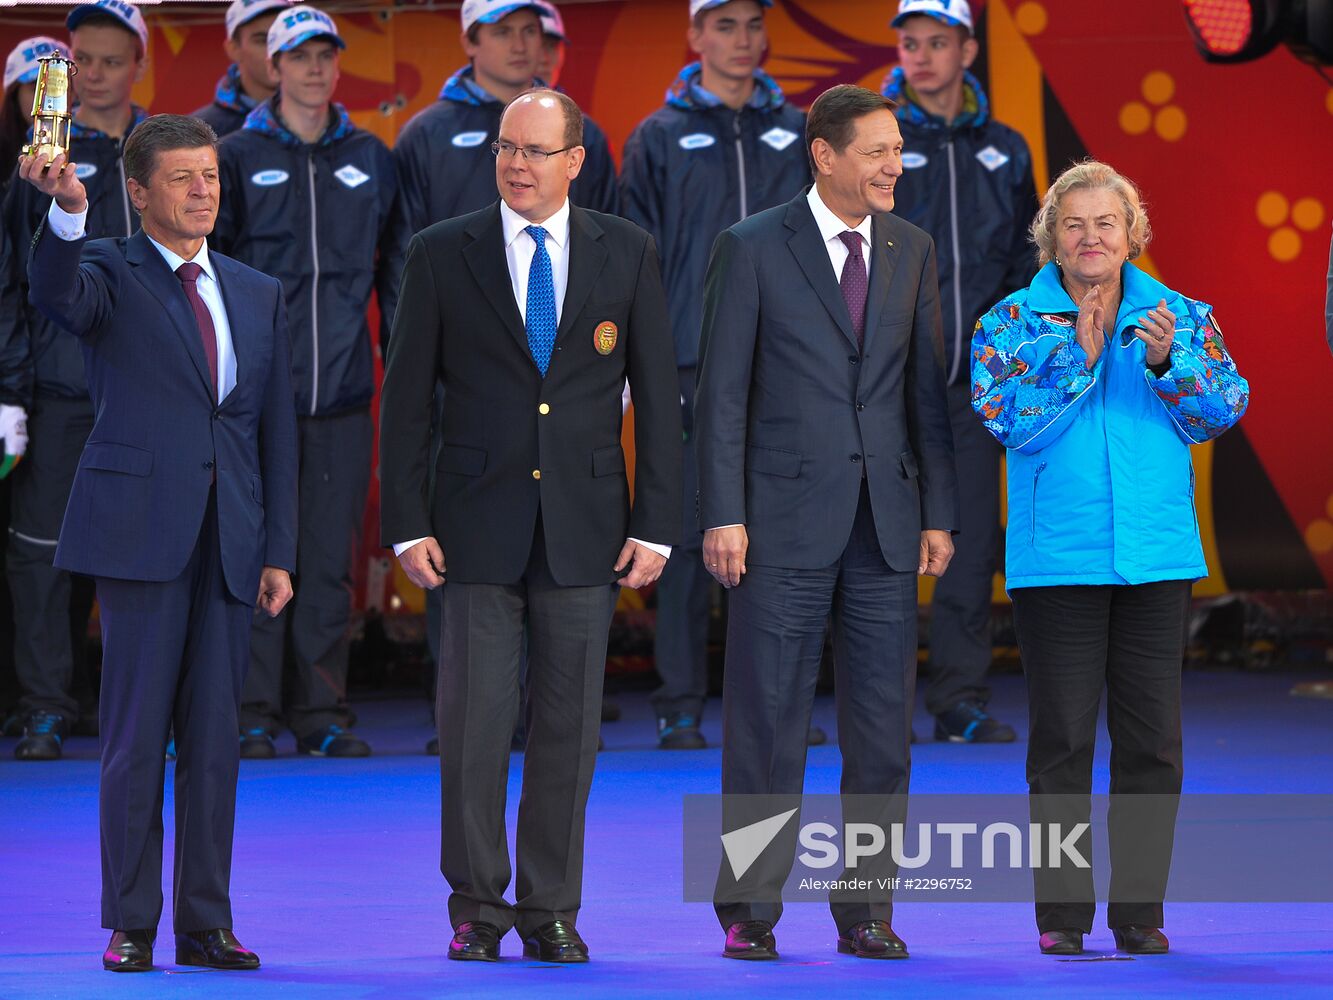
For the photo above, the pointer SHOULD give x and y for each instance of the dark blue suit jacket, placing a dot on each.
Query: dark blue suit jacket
(788, 413)
(159, 435)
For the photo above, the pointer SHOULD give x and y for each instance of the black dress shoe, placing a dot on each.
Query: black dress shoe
(215, 949)
(1137, 939)
(129, 951)
(1066, 941)
(872, 939)
(816, 737)
(475, 941)
(433, 747)
(557, 941)
(751, 940)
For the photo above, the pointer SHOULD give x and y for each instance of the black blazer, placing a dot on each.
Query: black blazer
(788, 414)
(511, 441)
(159, 435)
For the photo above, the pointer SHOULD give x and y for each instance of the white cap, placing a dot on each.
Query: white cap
(699, 6)
(949, 11)
(490, 11)
(552, 23)
(297, 26)
(244, 11)
(126, 13)
(22, 66)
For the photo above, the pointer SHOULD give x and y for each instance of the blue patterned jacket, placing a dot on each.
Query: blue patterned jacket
(1100, 480)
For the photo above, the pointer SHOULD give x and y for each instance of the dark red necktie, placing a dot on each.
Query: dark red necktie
(189, 274)
(855, 286)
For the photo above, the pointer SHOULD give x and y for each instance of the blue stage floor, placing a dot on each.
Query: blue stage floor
(336, 881)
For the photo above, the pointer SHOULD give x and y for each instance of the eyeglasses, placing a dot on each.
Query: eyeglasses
(532, 154)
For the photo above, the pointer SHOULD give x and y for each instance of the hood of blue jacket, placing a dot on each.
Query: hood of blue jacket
(464, 88)
(230, 95)
(976, 108)
(77, 131)
(687, 91)
(265, 120)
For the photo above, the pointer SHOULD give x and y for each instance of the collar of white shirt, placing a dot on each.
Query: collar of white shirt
(175, 260)
(557, 226)
(830, 226)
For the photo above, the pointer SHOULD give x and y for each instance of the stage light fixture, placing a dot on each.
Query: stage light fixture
(1236, 30)
(1231, 31)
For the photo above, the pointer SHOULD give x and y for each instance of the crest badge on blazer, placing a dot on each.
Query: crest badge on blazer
(604, 337)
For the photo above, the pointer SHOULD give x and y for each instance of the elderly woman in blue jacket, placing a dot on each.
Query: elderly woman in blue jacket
(1097, 378)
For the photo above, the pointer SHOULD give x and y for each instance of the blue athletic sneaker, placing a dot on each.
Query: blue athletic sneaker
(333, 741)
(43, 737)
(257, 744)
(967, 722)
(679, 731)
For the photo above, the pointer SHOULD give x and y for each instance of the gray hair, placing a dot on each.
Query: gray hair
(1090, 175)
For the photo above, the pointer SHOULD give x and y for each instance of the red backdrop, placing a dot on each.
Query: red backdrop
(1233, 160)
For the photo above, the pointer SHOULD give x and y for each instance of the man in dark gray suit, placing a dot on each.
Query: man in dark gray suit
(826, 485)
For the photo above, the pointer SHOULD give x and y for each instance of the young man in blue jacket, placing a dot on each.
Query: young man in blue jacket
(726, 145)
(444, 153)
(44, 373)
(249, 80)
(313, 200)
(967, 180)
(551, 60)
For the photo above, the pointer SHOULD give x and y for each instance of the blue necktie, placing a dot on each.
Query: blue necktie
(541, 303)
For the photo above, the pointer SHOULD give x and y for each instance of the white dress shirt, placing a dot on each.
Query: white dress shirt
(520, 248)
(831, 229)
(69, 226)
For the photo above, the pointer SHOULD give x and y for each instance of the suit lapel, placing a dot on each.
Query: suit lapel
(152, 271)
(485, 257)
(808, 248)
(883, 258)
(239, 321)
(587, 256)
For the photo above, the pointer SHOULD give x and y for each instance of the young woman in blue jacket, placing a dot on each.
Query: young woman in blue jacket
(1097, 378)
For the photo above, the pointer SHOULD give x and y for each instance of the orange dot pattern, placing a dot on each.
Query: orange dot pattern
(1285, 219)
(1030, 18)
(1155, 111)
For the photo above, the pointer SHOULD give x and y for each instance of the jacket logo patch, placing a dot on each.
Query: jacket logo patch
(267, 178)
(82, 170)
(1055, 319)
(991, 158)
(697, 140)
(914, 161)
(466, 140)
(778, 138)
(350, 176)
(604, 337)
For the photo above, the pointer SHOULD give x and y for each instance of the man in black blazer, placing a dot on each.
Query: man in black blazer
(826, 485)
(532, 314)
(183, 509)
